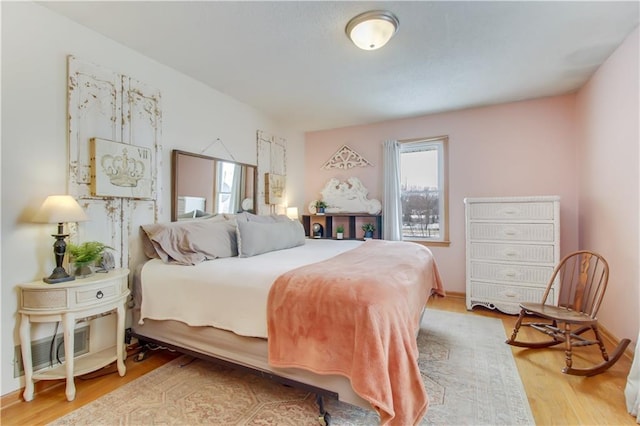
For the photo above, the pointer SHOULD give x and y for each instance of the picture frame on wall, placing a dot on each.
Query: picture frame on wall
(274, 188)
(120, 170)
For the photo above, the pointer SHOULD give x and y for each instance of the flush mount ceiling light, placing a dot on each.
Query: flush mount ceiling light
(372, 30)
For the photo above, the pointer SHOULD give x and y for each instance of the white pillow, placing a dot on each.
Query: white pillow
(256, 237)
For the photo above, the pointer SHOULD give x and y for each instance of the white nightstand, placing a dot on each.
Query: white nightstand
(67, 302)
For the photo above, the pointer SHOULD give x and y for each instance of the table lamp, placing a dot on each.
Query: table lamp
(59, 209)
(292, 213)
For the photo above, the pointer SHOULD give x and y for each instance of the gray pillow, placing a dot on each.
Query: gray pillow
(271, 218)
(189, 243)
(256, 237)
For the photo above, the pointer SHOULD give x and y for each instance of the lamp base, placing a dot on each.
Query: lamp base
(59, 275)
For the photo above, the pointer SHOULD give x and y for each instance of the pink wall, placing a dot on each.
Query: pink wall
(522, 148)
(609, 181)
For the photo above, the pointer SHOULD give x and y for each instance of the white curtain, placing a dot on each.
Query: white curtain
(632, 391)
(235, 200)
(391, 206)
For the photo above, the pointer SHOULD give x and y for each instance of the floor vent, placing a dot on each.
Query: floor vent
(45, 354)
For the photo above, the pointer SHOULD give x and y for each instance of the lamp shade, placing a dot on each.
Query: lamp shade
(292, 213)
(372, 30)
(60, 209)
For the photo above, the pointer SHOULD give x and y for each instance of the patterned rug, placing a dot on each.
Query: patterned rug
(469, 373)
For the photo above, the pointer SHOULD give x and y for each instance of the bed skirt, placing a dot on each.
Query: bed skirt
(244, 352)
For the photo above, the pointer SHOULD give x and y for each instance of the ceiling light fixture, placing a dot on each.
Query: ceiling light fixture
(372, 30)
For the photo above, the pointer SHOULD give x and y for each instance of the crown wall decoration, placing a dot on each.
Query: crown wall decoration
(346, 158)
(120, 169)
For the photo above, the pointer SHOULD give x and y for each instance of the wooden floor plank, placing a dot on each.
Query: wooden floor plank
(555, 398)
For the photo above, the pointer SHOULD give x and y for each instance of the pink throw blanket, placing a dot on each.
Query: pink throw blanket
(357, 315)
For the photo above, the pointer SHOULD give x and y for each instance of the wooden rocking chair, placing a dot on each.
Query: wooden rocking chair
(580, 280)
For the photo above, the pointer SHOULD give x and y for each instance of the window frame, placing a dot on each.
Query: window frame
(442, 144)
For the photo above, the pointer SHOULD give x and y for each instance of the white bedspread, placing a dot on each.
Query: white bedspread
(229, 293)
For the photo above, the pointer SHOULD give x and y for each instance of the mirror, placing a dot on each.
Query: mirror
(202, 186)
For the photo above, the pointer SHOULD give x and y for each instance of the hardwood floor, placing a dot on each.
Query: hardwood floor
(555, 398)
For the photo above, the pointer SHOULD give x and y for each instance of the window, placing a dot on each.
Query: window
(423, 189)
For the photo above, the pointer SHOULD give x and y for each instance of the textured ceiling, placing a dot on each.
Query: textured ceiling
(292, 60)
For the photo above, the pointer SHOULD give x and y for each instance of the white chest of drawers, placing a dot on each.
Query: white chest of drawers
(512, 246)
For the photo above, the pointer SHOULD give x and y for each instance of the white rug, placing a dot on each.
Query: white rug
(468, 370)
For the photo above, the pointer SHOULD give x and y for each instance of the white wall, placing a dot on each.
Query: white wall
(35, 45)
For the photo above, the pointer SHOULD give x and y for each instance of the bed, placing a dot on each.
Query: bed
(324, 315)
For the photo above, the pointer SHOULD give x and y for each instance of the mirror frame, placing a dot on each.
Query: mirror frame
(174, 177)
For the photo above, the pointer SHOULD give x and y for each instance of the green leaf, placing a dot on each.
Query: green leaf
(86, 252)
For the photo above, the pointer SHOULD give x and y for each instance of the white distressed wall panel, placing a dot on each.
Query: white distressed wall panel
(272, 158)
(142, 126)
(140, 212)
(95, 110)
(104, 104)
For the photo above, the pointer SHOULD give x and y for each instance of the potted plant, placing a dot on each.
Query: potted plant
(84, 256)
(340, 232)
(320, 206)
(368, 229)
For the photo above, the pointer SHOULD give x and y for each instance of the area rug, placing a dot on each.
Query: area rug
(469, 373)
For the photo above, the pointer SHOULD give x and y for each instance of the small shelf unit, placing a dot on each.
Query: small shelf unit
(328, 219)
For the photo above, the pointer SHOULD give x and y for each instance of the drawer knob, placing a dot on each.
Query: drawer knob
(511, 253)
(99, 294)
(510, 294)
(510, 232)
(510, 274)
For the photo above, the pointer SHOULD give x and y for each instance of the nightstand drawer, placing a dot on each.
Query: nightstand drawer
(95, 294)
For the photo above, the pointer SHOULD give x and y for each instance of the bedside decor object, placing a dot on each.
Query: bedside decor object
(340, 232)
(292, 213)
(345, 158)
(320, 207)
(120, 169)
(107, 263)
(84, 256)
(372, 30)
(59, 209)
(318, 230)
(368, 229)
(346, 197)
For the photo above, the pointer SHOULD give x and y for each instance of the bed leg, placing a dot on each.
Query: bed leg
(324, 418)
(144, 351)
